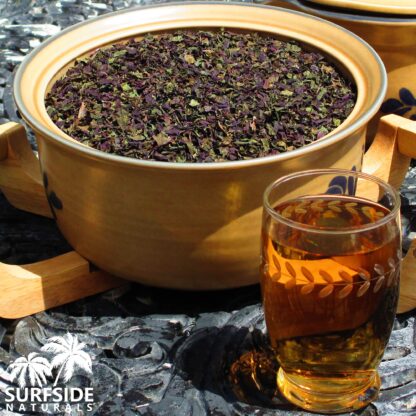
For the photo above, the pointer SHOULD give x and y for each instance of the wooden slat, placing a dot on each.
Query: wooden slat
(36, 287)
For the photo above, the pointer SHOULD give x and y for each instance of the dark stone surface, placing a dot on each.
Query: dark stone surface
(159, 352)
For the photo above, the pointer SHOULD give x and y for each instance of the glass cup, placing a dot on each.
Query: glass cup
(331, 252)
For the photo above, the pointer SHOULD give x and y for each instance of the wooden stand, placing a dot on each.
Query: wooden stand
(35, 287)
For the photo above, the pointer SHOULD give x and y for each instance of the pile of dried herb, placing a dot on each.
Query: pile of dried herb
(200, 96)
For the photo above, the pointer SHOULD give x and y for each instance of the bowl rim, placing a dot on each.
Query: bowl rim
(331, 138)
(359, 16)
(398, 7)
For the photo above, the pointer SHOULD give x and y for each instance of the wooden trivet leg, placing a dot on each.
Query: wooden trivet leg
(32, 288)
(407, 299)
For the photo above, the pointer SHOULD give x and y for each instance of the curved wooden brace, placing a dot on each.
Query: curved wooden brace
(20, 176)
(392, 149)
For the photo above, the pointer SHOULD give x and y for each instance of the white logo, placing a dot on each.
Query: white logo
(34, 367)
(31, 373)
(69, 355)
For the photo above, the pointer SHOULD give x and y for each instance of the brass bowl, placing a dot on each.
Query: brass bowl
(189, 226)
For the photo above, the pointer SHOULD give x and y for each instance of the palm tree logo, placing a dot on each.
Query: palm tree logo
(34, 367)
(69, 355)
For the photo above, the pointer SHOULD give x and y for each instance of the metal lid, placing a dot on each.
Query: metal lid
(407, 7)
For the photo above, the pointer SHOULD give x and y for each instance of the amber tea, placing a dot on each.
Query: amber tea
(330, 288)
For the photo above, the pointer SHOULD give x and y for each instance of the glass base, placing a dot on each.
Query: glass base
(329, 395)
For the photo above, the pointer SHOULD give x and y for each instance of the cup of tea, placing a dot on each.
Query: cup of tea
(331, 252)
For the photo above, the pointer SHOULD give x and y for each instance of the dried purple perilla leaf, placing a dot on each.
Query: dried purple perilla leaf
(201, 96)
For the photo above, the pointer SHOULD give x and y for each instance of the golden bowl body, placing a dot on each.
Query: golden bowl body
(188, 226)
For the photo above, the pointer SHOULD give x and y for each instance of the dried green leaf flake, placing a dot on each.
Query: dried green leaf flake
(125, 86)
(189, 59)
(194, 103)
(161, 138)
(287, 93)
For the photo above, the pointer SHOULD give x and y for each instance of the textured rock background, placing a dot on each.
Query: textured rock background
(158, 352)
